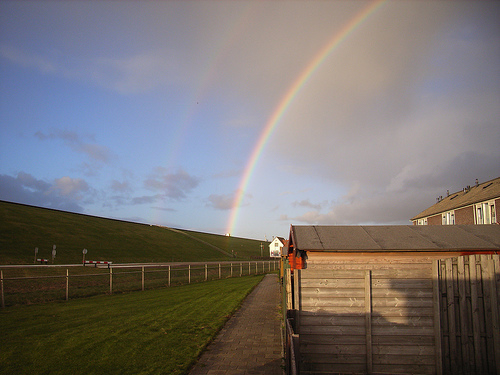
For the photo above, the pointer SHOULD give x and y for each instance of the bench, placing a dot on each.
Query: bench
(42, 260)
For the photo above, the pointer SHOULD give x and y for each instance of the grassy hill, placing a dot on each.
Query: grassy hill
(22, 228)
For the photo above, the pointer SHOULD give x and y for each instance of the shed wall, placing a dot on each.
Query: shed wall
(368, 315)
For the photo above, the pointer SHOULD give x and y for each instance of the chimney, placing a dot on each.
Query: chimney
(447, 193)
(477, 182)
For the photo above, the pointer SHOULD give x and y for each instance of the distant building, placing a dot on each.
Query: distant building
(479, 204)
(276, 247)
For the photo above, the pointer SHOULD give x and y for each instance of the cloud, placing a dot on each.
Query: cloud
(166, 209)
(171, 185)
(306, 203)
(71, 187)
(138, 72)
(397, 118)
(368, 209)
(64, 194)
(225, 202)
(221, 201)
(76, 142)
(28, 60)
(120, 187)
(147, 199)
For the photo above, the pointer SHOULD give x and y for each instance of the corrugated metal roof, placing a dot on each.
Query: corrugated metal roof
(396, 237)
(483, 192)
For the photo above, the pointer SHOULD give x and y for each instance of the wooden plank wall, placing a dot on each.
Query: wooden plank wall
(470, 292)
(368, 317)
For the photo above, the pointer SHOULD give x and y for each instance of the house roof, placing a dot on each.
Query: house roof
(395, 238)
(477, 193)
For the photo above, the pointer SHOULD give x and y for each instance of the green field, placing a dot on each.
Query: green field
(22, 228)
(153, 332)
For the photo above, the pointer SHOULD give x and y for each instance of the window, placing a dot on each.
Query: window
(485, 213)
(449, 218)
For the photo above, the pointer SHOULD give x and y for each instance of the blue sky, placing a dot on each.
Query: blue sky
(149, 111)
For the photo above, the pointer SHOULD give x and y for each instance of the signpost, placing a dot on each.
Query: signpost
(84, 252)
(53, 253)
(36, 252)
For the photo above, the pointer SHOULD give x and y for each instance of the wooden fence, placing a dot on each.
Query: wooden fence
(470, 326)
(35, 289)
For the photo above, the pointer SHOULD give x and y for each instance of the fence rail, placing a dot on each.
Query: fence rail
(123, 278)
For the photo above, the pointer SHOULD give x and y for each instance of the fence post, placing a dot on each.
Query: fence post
(494, 308)
(67, 284)
(1, 282)
(241, 269)
(368, 321)
(143, 278)
(476, 329)
(206, 272)
(437, 301)
(249, 272)
(256, 269)
(231, 270)
(219, 270)
(110, 280)
(189, 274)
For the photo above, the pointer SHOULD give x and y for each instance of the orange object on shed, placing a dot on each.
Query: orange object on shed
(296, 263)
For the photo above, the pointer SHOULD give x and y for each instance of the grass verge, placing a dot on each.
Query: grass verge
(152, 332)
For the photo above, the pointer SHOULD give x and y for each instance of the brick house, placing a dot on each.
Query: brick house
(479, 204)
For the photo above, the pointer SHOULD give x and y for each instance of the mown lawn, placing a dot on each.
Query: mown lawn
(152, 332)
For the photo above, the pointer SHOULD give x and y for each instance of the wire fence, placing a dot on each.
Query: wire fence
(17, 288)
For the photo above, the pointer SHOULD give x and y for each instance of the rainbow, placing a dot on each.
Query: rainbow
(287, 99)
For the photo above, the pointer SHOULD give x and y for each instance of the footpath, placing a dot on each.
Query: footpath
(250, 341)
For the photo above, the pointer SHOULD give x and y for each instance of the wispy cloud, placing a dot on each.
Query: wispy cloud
(28, 60)
(306, 203)
(78, 143)
(171, 185)
(121, 187)
(147, 199)
(137, 73)
(221, 201)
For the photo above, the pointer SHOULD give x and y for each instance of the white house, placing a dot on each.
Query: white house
(276, 246)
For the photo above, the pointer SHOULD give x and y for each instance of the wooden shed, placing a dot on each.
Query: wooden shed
(393, 300)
